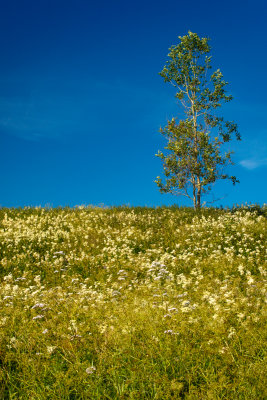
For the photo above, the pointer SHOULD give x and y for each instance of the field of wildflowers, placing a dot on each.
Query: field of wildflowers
(132, 303)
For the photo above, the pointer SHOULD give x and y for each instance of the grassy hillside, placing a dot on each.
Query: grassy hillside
(132, 303)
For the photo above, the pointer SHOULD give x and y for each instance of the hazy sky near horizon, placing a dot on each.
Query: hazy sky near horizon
(81, 99)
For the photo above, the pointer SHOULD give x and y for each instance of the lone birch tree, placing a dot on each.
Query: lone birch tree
(194, 159)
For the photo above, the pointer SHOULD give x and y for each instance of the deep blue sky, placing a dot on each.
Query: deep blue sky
(81, 100)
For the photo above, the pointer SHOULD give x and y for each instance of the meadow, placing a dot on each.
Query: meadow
(133, 303)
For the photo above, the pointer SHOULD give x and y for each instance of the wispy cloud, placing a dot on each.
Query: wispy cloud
(253, 163)
(37, 117)
(89, 108)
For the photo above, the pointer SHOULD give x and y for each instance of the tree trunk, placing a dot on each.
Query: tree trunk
(195, 203)
(198, 200)
(194, 193)
(198, 193)
(197, 186)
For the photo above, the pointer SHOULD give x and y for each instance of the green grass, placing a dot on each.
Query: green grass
(133, 303)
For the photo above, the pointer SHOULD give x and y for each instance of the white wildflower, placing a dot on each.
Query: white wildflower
(50, 349)
(7, 297)
(186, 303)
(250, 280)
(116, 293)
(232, 332)
(38, 305)
(170, 332)
(241, 269)
(90, 370)
(38, 317)
(37, 279)
(8, 278)
(167, 316)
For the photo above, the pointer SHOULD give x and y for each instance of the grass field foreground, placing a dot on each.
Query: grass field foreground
(132, 303)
